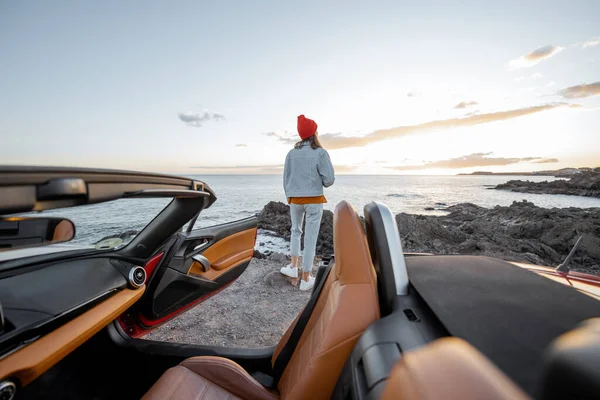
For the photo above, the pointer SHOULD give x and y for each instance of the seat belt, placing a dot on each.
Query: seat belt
(288, 350)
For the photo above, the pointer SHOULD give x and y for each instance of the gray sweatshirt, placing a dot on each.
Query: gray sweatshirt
(307, 171)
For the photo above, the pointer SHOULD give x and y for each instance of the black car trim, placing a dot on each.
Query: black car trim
(25, 189)
(12, 341)
(257, 359)
(410, 325)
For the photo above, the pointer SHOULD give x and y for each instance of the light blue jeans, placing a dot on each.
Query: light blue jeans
(313, 213)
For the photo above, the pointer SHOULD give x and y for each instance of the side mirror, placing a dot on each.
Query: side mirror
(17, 232)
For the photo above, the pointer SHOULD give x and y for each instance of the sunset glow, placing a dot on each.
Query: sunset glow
(397, 88)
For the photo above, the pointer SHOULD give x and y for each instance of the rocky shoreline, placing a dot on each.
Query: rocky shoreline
(520, 232)
(586, 183)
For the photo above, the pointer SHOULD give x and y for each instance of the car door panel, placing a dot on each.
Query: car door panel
(226, 253)
(180, 282)
(177, 290)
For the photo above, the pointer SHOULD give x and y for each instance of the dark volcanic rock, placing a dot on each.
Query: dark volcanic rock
(275, 217)
(259, 255)
(521, 232)
(586, 183)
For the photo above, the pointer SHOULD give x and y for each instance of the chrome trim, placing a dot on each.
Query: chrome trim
(395, 245)
(202, 246)
(7, 385)
(131, 277)
(179, 193)
(1, 319)
(200, 259)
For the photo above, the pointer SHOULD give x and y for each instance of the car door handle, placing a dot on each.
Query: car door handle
(203, 261)
(203, 244)
(1, 319)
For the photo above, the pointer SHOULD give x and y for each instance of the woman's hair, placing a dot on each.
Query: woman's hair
(313, 141)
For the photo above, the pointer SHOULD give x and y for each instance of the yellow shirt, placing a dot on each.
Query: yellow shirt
(307, 200)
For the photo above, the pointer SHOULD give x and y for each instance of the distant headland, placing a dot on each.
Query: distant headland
(558, 173)
(580, 182)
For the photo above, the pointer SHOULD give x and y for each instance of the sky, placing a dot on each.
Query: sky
(396, 87)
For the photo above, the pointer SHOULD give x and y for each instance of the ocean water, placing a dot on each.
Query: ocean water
(240, 196)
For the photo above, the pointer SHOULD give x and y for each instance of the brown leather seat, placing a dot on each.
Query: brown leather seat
(448, 368)
(348, 304)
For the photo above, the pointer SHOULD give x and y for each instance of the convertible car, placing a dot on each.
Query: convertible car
(380, 323)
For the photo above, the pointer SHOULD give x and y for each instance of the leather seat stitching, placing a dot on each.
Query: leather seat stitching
(175, 385)
(353, 337)
(314, 349)
(232, 368)
(204, 389)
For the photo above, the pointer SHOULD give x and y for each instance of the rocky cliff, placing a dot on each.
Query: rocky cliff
(586, 183)
(275, 217)
(520, 232)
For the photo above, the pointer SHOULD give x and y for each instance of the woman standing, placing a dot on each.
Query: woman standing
(307, 170)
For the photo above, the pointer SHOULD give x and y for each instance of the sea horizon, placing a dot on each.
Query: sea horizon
(244, 195)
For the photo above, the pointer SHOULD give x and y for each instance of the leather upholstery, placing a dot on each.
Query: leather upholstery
(572, 364)
(226, 254)
(182, 384)
(348, 304)
(448, 368)
(208, 378)
(286, 336)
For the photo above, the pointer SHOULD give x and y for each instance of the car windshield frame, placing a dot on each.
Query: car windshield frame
(27, 190)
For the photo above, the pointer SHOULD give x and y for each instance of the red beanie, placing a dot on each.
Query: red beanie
(306, 127)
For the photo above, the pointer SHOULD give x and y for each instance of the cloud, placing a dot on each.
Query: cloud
(537, 75)
(333, 141)
(591, 43)
(536, 56)
(581, 91)
(465, 104)
(551, 83)
(546, 161)
(196, 120)
(412, 94)
(284, 137)
(519, 78)
(241, 145)
(473, 160)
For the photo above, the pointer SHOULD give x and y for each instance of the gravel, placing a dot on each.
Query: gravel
(253, 312)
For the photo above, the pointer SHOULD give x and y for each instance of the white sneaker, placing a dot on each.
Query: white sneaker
(289, 271)
(304, 285)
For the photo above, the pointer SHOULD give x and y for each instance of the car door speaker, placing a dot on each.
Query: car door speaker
(7, 390)
(137, 277)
